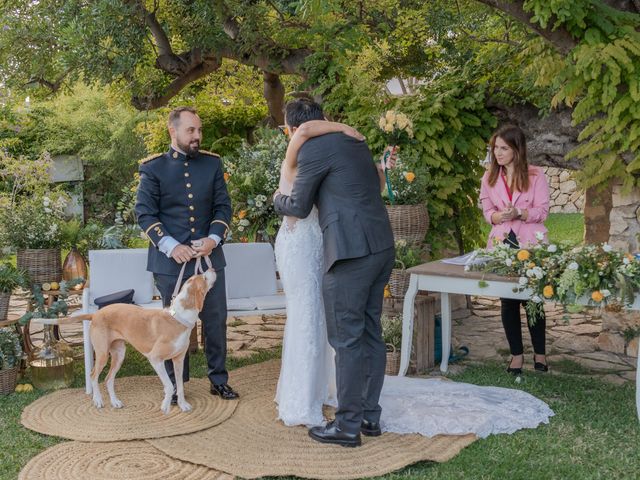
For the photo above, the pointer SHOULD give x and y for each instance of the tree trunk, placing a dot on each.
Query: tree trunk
(274, 95)
(597, 208)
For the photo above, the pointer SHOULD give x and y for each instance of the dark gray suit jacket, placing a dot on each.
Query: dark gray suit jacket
(337, 173)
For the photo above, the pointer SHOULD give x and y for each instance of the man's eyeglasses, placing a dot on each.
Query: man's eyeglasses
(283, 129)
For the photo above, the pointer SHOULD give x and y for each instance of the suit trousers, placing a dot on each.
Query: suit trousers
(353, 292)
(214, 326)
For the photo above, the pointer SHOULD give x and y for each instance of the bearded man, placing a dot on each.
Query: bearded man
(184, 209)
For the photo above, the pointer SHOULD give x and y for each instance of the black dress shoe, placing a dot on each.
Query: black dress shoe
(370, 429)
(514, 371)
(224, 390)
(539, 366)
(331, 433)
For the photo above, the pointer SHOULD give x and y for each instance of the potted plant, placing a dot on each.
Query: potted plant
(10, 357)
(407, 256)
(392, 335)
(10, 279)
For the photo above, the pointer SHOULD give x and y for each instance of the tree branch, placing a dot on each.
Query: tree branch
(560, 38)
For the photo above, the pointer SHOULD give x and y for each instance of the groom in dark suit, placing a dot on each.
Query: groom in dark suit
(337, 173)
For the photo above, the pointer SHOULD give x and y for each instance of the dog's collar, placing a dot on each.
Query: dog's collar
(172, 312)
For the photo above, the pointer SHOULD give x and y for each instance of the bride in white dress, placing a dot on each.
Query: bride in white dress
(307, 375)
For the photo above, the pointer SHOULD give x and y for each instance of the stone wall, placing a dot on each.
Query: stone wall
(565, 197)
(625, 219)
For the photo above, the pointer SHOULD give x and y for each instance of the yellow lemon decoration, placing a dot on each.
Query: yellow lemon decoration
(597, 296)
(55, 286)
(27, 387)
(547, 291)
(46, 286)
(19, 388)
(523, 255)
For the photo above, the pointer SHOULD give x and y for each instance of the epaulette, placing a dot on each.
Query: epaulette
(210, 153)
(150, 157)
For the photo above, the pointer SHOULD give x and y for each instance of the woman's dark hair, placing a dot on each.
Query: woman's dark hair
(301, 110)
(514, 137)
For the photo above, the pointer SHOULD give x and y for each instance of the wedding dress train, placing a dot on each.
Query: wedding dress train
(409, 405)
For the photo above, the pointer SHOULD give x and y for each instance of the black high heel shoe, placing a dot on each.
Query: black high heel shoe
(539, 366)
(514, 371)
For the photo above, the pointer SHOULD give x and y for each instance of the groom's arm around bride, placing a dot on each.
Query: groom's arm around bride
(338, 174)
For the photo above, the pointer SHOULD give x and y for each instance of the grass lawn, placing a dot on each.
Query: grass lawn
(593, 435)
(563, 227)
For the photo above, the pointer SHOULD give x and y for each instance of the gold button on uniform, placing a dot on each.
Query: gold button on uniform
(191, 219)
(191, 207)
(186, 164)
(190, 195)
(188, 185)
(193, 230)
(186, 174)
(175, 154)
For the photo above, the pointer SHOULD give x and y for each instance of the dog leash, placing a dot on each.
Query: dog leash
(197, 270)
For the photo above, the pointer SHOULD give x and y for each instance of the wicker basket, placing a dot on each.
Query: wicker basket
(399, 282)
(43, 265)
(409, 222)
(4, 305)
(8, 380)
(393, 360)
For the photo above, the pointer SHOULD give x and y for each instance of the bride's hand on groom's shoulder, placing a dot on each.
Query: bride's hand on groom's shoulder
(352, 132)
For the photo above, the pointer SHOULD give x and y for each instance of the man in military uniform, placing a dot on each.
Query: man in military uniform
(184, 208)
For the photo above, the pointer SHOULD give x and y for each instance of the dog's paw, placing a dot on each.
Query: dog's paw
(97, 401)
(185, 406)
(166, 406)
(116, 403)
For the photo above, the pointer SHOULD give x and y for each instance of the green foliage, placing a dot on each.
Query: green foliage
(253, 173)
(407, 255)
(10, 348)
(58, 308)
(11, 278)
(392, 330)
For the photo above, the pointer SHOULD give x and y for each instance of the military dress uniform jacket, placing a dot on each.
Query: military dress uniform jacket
(183, 197)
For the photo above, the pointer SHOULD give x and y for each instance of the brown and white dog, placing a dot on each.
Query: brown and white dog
(158, 334)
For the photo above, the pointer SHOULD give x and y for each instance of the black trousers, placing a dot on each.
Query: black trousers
(214, 326)
(353, 291)
(510, 310)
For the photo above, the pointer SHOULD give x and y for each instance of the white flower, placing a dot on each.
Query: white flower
(605, 293)
(573, 266)
(244, 222)
(241, 228)
(508, 262)
(552, 248)
(467, 268)
(523, 281)
(46, 201)
(626, 261)
(259, 204)
(540, 236)
(47, 210)
(536, 299)
(606, 247)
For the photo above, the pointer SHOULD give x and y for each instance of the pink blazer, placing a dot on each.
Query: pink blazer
(535, 201)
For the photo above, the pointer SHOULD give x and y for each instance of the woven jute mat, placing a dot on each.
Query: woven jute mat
(70, 413)
(112, 461)
(253, 443)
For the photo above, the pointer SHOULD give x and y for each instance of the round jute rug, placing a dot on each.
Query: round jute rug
(253, 443)
(112, 461)
(70, 413)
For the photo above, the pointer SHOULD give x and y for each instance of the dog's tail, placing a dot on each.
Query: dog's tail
(75, 318)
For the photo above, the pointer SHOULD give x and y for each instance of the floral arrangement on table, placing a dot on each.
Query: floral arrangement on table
(58, 308)
(252, 176)
(396, 128)
(597, 274)
(33, 221)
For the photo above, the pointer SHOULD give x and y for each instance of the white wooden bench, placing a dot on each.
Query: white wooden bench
(251, 282)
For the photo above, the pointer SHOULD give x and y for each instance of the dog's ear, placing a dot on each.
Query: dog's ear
(199, 291)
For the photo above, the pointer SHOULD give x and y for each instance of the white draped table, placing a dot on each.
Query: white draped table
(449, 279)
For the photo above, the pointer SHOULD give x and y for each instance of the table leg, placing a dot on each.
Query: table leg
(638, 386)
(88, 356)
(445, 324)
(407, 325)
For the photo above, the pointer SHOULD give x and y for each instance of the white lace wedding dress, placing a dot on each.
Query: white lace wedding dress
(409, 405)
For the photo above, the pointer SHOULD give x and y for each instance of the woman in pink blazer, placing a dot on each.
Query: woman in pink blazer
(515, 202)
